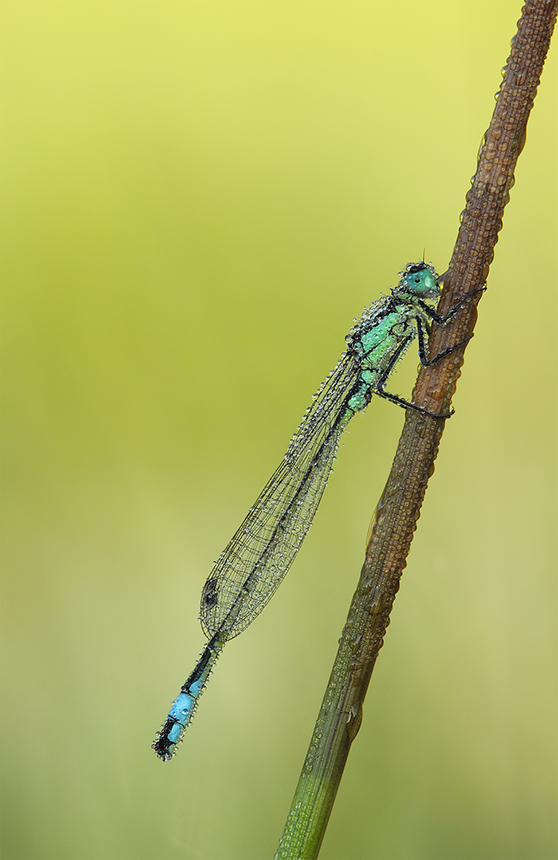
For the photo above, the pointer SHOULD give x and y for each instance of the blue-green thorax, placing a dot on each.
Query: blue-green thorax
(387, 327)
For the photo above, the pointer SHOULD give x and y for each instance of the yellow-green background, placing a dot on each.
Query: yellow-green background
(198, 199)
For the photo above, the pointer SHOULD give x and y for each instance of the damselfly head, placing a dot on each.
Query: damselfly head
(419, 280)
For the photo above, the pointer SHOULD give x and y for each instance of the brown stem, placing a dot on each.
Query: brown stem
(398, 510)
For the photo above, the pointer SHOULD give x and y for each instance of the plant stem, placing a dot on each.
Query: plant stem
(398, 510)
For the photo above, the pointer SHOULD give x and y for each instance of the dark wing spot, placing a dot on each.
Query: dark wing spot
(209, 594)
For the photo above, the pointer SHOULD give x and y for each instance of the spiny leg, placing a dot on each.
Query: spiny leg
(394, 398)
(426, 362)
(434, 315)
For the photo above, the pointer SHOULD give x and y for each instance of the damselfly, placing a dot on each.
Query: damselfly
(253, 564)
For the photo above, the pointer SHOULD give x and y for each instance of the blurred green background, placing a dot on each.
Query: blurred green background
(198, 199)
